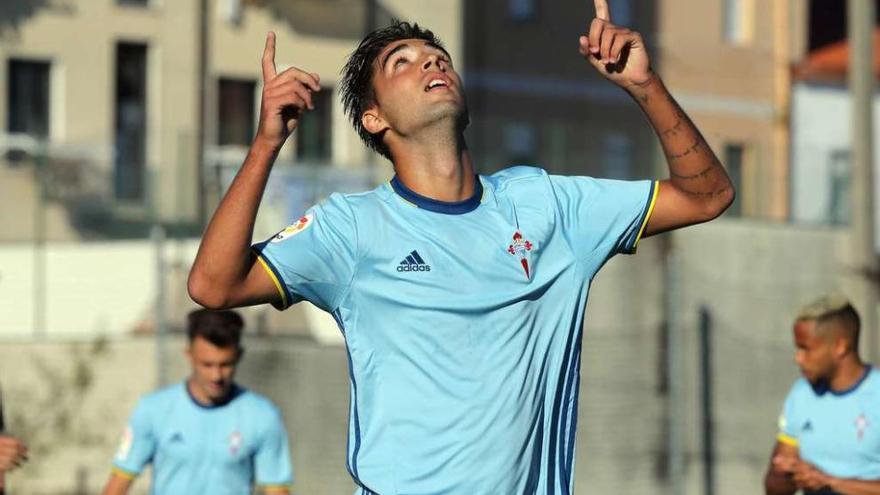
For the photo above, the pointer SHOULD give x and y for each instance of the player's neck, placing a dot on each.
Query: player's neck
(201, 398)
(437, 169)
(850, 372)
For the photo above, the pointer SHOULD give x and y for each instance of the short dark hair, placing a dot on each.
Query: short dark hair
(221, 328)
(357, 75)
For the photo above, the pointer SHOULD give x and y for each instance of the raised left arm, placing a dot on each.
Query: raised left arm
(698, 189)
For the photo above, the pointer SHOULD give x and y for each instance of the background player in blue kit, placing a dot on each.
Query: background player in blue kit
(206, 435)
(461, 297)
(829, 429)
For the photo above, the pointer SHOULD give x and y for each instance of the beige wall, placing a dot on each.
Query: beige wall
(81, 47)
(79, 40)
(738, 92)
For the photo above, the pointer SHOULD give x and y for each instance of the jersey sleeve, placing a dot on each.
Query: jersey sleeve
(272, 463)
(314, 258)
(602, 215)
(788, 419)
(138, 443)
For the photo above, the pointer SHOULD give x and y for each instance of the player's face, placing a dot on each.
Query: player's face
(814, 354)
(213, 368)
(416, 85)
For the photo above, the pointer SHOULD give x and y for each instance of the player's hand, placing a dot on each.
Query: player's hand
(785, 463)
(807, 477)
(616, 52)
(13, 453)
(286, 97)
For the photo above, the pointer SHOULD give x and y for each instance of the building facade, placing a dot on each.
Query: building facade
(132, 94)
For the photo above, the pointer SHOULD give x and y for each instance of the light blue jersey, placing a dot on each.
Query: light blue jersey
(196, 449)
(838, 432)
(462, 322)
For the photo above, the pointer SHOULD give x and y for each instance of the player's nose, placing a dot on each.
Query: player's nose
(433, 61)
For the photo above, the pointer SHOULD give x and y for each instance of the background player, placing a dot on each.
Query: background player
(829, 429)
(464, 367)
(206, 435)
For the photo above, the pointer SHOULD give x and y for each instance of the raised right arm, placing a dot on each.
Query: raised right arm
(226, 273)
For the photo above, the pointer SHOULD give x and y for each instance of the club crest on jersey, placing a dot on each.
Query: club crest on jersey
(521, 248)
(300, 225)
(862, 424)
(235, 442)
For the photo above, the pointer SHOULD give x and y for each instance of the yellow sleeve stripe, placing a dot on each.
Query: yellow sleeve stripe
(123, 473)
(276, 488)
(274, 277)
(654, 193)
(787, 440)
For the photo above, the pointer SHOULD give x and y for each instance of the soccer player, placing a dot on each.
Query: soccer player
(206, 435)
(829, 429)
(461, 296)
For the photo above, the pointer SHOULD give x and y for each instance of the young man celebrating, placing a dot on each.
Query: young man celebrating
(461, 297)
(828, 441)
(206, 435)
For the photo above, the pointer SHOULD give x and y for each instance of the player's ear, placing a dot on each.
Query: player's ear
(373, 122)
(841, 346)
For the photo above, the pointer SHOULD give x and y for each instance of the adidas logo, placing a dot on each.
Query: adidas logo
(177, 438)
(413, 263)
(807, 426)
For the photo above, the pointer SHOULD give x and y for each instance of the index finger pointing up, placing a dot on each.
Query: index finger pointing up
(269, 58)
(602, 10)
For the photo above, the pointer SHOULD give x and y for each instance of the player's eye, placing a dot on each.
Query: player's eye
(400, 61)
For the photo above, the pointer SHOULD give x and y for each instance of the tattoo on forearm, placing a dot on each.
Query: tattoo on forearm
(709, 194)
(699, 175)
(713, 166)
(672, 131)
(694, 148)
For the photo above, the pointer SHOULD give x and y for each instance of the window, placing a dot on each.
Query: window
(617, 155)
(739, 21)
(131, 121)
(734, 159)
(314, 137)
(839, 182)
(28, 98)
(521, 10)
(236, 112)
